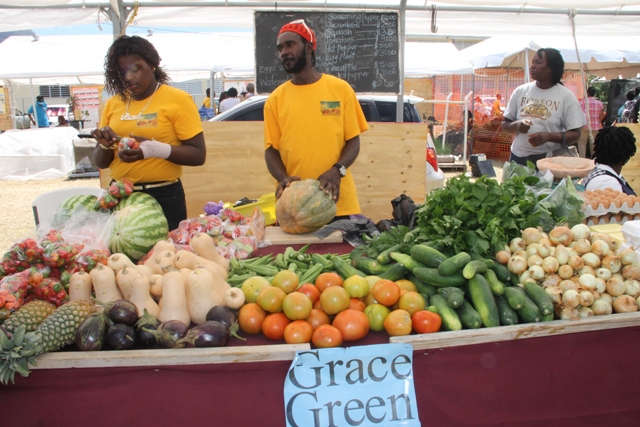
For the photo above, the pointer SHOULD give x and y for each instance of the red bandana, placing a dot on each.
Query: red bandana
(300, 27)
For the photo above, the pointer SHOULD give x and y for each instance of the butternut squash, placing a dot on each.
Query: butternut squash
(117, 261)
(145, 270)
(104, 283)
(159, 248)
(155, 286)
(80, 286)
(204, 246)
(124, 280)
(174, 299)
(185, 273)
(186, 259)
(165, 261)
(201, 295)
(141, 297)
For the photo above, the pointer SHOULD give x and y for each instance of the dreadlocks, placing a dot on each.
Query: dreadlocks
(614, 145)
(130, 45)
(554, 61)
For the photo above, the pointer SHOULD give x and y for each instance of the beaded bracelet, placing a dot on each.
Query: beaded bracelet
(104, 147)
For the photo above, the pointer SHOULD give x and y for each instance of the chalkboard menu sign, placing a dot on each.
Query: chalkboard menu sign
(359, 47)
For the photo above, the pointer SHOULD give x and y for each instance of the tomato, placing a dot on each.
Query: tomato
(425, 321)
(273, 326)
(352, 324)
(372, 280)
(310, 290)
(250, 318)
(407, 284)
(326, 336)
(298, 332)
(318, 304)
(270, 298)
(369, 299)
(376, 314)
(286, 280)
(334, 299)
(317, 318)
(252, 287)
(411, 302)
(297, 306)
(324, 280)
(357, 304)
(397, 323)
(356, 286)
(386, 292)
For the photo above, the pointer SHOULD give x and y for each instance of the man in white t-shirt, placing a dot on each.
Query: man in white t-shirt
(231, 100)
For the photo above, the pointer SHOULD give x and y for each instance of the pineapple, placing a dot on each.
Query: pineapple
(58, 330)
(31, 315)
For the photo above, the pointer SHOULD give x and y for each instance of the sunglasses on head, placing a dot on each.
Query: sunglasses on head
(304, 24)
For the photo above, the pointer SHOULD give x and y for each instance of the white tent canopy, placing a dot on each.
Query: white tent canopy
(433, 59)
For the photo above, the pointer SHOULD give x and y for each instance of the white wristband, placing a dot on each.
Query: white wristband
(155, 149)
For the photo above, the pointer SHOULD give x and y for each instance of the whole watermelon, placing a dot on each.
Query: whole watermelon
(137, 198)
(66, 208)
(136, 228)
(304, 208)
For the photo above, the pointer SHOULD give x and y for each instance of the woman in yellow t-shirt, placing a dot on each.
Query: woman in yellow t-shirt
(163, 119)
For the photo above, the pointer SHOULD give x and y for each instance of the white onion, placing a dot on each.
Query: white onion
(582, 246)
(580, 231)
(565, 272)
(531, 235)
(601, 285)
(615, 245)
(632, 288)
(536, 272)
(618, 276)
(601, 307)
(517, 244)
(534, 260)
(555, 293)
(517, 264)
(631, 271)
(524, 277)
(571, 298)
(612, 263)
(625, 304)
(576, 262)
(545, 250)
(601, 236)
(521, 253)
(562, 254)
(585, 312)
(638, 302)
(588, 281)
(586, 270)
(532, 249)
(605, 296)
(591, 259)
(600, 248)
(503, 257)
(615, 287)
(567, 313)
(628, 257)
(568, 285)
(560, 235)
(551, 280)
(586, 298)
(603, 273)
(550, 265)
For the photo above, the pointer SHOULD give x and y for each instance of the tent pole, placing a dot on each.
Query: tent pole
(401, 30)
(526, 67)
(35, 113)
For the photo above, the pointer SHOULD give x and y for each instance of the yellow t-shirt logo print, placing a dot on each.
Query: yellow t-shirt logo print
(330, 108)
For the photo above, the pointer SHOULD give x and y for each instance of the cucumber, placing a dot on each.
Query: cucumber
(344, 269)
(548, 317)
(508, 315)
(502, 271)
(384, 256)
(395, 272)
(406, 260)
(427, 255)
(514, 297)
(483, 300)
(432, 277)
(453, 295)
(450, 319)
(423, 288)
(497, 287)
(540, 297)
(469, 317)
(529, 313)
(454, 264)
(474, 267)
(369, 266)
(479, 257)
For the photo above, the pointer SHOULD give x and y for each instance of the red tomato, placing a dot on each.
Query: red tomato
(386, 292)
(298, 332)
(270, 298)
(273, 326)
(326, 336)
(250, 318)
(425, 321)
(310, 290)
(352, 324)
(317, 318)
(297, 306)
(356, 304)
(334, 299)
(324, 280)
(397, 323)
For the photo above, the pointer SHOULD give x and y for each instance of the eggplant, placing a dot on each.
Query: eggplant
(144, 338)
(223, 314)
(121, 336)
(120, 311)
(169, 333)
(90, 336)
(211, 333)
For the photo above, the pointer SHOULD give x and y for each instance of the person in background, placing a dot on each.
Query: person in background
(207, 99)
(594, 118)
(162, 118)
(41, 113)
(613, 148)
(62, 121)
(230, 101)
(496, 109)
(628, 108)
(206, 111)
(251, 91)
(544, 115)
(312, 123)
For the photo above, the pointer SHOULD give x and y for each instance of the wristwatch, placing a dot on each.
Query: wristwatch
(341, 169)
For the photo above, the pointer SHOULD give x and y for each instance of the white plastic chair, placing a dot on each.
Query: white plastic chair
(45, 205)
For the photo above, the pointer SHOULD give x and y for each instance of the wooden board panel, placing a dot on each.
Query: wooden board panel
(631, 171)
(276, 236)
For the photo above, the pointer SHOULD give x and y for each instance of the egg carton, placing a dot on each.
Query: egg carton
(624, 208)
(610, 219)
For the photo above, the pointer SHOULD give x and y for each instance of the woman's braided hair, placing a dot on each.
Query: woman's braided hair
(554, 62)
(614, 145)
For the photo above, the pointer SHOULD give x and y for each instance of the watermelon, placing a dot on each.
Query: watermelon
(136, 229)
(66, 208)
(137, 198)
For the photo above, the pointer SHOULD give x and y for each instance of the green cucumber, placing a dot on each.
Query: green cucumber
(384, 257)
(530, 312)
(427, 255)
(395, 272)
(540, 297)
(469, 317)
(508, 315)
(548, 317)
(423, 288)
(432, 277)
(473, 267)
(483, 300)
(454, 295)
(450, 319)
(454, 264)
(406, 260)
(514, 297)
(479, 257)
(369, 266)
(497, 287)
(344, 269)
(502, 271)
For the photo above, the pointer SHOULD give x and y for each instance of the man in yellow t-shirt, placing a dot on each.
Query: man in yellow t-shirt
(312, 123)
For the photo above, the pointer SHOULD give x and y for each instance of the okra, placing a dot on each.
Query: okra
(311, 274)
(263, 270)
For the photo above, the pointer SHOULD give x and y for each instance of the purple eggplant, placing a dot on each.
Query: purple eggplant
(121, 336)
(90, 336)
(120, 311)
(169, 333)
(209, 334)
(144, 338)
(223, 314)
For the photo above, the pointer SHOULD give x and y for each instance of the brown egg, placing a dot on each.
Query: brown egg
(617, 218)
(606, 203)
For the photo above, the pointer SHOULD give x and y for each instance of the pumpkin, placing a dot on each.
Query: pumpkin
(304, 208)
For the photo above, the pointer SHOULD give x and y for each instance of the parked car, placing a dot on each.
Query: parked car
(376, 108)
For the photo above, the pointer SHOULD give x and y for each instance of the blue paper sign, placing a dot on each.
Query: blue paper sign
(355, 386)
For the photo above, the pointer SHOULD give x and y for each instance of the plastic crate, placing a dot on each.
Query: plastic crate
(266, 203)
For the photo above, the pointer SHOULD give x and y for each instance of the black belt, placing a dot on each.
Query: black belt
(148, 185)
